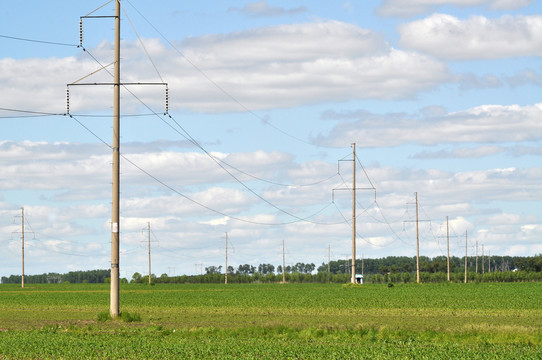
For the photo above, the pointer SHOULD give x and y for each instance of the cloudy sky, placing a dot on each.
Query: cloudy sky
(441, 97)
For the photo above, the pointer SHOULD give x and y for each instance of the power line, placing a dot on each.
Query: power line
(37, 41)
(34, 113)
(220, 88)
(195, 201)
(188, 137)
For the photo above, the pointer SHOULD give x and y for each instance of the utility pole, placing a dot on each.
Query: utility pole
(149, 241)
(417, 244)
(448, 247)
(417, 240)
(353, 269)
(115, 208)
(483, 261)
(466, 247)
(489, 262)
(362, 265)
(353, 279)
(115, 228)
(477, 256)
(22, 246)
(226, 273)
(283, 264)
(328, 262)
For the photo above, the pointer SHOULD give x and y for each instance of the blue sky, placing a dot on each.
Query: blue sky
(441, 98)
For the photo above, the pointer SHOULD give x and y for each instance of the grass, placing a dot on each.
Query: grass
(475, 321)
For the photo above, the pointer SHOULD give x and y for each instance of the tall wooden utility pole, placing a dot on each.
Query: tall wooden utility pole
(149, 247)
(417, 244)
(226, 273)
(22, 246)
(466, 247)
(115, 226)
(448, 247)
(353, 279)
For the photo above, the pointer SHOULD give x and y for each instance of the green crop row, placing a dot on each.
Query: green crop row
(316, 321)
(269, 343)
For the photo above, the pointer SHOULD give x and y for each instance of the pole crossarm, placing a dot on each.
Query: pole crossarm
(121, 84)
(77, 83)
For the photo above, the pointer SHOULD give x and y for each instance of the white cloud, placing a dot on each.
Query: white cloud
(482, 124)
(478, 37)
(461, 153)
(262, 68)
(406, 8)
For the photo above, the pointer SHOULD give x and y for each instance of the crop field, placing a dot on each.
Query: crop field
(273, 321)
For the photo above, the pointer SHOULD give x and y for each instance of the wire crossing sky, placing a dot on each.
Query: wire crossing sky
(265, 98)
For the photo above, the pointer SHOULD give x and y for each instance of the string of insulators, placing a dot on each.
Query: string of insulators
(67, 100)
(81, 32)
(167, 100)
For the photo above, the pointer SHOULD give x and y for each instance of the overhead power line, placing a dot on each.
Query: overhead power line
(37, 41)
(220, 88)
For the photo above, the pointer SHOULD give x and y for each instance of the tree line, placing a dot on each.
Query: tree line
(394, 269)
(89, 276)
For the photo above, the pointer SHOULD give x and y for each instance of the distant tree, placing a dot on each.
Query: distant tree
(246, 269)
(211, 270)
(136, 278)
(309, 268)
(265, 269)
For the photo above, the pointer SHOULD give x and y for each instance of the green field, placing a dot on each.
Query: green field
(297, 321)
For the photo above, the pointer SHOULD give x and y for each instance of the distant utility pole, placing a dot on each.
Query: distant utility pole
(226, 273)
(22, 246)
(353, 279)
(328, 262)
(354, 188)
(466, 247)
(489, 262)
(283, 264)
(483, 261)
(417, 241)
(417, 244)
(149, 242)
(448, 247)
(477, 256)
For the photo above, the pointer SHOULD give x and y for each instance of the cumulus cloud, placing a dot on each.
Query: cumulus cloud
(406, 8)
(261, 68)
(461, 153)
(477, 37)
(482, 124)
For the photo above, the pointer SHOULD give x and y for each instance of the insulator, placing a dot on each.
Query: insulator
(68, 100)
(80, 32)
(167, 100)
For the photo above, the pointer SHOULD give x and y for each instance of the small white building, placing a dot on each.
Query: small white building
(359, 279)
